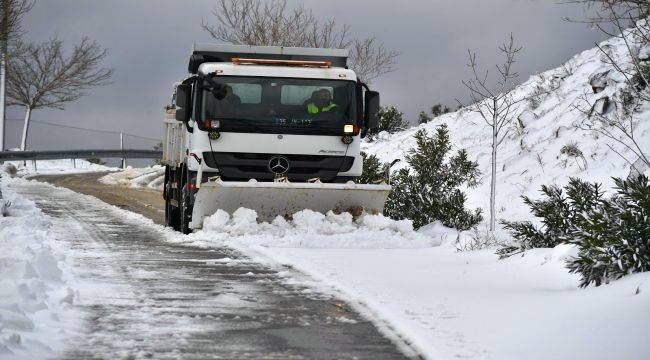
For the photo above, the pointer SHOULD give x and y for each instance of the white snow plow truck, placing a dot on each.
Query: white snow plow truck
(273, 129)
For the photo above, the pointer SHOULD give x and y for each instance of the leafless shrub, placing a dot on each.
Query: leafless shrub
(477, 239)
(568, 69)
(496, 104)
(572, 150)
(275, 23)
(540, 161)
(535, 99)
(617, 127)
(42, 76)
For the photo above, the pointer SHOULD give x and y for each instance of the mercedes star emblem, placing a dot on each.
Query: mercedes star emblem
(279, 165)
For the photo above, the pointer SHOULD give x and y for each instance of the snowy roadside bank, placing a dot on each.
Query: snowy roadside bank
(50, 167)
(36, 291)
(471, 305)
(449, 304)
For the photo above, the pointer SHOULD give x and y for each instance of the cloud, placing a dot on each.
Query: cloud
(149, 43)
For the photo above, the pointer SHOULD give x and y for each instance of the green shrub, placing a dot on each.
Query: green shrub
(423, 118)
(391, 120)
(439, 109)
(373, 170)
(558, 214)
(614, 240)
(612, 235)
(428, 189)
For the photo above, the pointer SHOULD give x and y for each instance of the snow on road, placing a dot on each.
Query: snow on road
(140, 297)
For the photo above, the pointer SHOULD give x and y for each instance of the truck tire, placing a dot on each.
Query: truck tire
(185, 210)
(172, 213)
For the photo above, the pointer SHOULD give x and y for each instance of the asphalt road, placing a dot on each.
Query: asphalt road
(174, 302)
(146, 202)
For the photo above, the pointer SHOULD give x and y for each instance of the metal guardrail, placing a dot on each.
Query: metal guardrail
(79, 154)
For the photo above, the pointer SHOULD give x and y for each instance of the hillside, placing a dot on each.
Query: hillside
(531, 156)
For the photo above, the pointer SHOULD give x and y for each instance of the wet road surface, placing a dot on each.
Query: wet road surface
(144, 298)
(144, 201)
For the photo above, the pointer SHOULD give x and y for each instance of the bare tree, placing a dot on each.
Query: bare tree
(274, 23)
(11, 14)
(41, 76)
(496, 103)
(611, 116)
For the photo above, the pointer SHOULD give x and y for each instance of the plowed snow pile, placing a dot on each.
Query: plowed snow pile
(309, 229)
(152, 177)
(36, 299)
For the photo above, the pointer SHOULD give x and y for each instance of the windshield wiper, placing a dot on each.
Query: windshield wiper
(218, 90)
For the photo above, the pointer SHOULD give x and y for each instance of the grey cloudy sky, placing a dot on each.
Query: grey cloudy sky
(149, 43)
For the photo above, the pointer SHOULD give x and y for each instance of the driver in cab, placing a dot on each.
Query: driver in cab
(320, 102)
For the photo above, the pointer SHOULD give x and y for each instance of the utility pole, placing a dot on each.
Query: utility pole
(2, 97)
(122, 148)
(4, 29)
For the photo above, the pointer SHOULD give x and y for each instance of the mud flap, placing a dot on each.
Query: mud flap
(270, 199)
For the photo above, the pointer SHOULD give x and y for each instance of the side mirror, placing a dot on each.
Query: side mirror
(371, 111)
(183, 102)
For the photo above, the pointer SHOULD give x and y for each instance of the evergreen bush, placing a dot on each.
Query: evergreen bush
(373, 170)
(614, 241)
(423, 118)
(558, 214)
(612, 234)
(428, 189)
(391, 120)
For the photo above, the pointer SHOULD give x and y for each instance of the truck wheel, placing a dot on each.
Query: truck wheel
(172, 213)
(185, 210)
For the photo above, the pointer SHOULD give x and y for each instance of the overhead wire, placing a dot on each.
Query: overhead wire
(88, 129)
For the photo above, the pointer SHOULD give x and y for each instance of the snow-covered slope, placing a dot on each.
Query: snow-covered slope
(531, 154)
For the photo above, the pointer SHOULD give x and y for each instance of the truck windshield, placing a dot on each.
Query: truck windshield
(274, 105)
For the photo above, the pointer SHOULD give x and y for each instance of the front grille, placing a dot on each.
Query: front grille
(245, 166)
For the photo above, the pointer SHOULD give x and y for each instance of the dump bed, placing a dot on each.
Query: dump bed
(174, 141)
(203, 52)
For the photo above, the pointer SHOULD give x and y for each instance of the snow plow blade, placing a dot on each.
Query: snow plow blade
(270, 199)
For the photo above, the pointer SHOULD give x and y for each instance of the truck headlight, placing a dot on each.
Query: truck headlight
(212, 124)
(351, 130)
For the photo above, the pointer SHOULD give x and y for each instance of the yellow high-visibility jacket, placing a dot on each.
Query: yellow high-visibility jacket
(313, 109)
